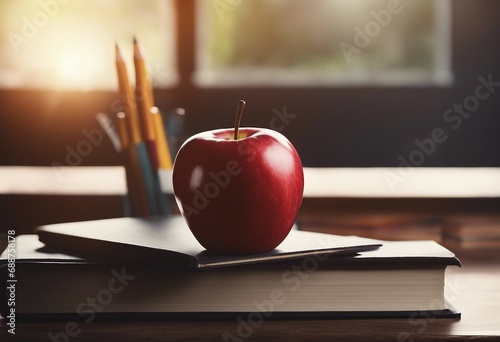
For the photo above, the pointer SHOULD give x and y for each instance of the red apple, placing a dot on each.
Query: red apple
(239, 190)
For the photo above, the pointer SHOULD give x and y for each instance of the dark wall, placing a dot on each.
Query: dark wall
(352, 126)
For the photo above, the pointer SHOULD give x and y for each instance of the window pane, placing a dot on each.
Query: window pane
(66, 44)
(323, 42)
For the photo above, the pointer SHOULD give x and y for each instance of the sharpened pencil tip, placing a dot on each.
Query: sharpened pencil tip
(137, 49)
(118, 52)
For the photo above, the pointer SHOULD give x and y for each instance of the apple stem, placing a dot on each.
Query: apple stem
(239, 114)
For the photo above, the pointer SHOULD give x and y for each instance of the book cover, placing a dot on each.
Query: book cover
(168, 240)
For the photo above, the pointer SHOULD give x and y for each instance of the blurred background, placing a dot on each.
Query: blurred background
(357, 99)
(350, 83)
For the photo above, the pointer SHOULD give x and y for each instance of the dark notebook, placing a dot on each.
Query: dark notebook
(169, 241)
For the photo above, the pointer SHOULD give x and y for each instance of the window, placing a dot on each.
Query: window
(323, 42)
(69, 45)
(63, 44)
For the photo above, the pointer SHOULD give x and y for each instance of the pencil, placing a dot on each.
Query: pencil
(153, 131)
(136, 205)
(145, 100)
(164, 157)
(107, 126)
(146, 104)
(139, 158)
(127, 98)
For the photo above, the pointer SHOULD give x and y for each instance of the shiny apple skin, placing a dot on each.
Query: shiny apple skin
(238, 196)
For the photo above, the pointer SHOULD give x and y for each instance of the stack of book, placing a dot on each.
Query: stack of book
(154, 267)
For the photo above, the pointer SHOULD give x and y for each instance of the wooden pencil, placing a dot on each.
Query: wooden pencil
(145, 100)
(137, 205)
(139, 158)
(164, 156)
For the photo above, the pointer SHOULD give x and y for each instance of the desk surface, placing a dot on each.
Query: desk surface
(474, 290)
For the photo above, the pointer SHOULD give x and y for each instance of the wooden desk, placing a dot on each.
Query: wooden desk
(475, 290)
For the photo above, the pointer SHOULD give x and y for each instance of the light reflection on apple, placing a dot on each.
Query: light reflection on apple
(277, 158)
(196, 178)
